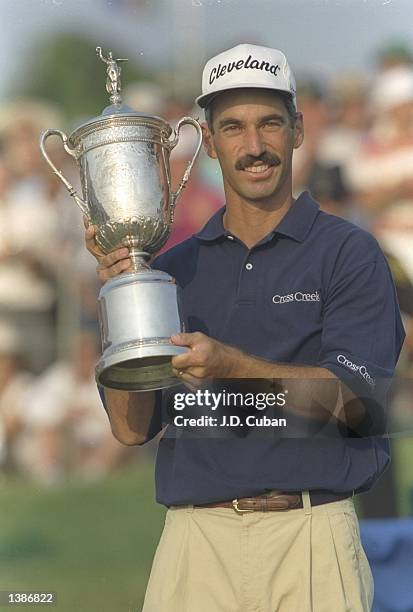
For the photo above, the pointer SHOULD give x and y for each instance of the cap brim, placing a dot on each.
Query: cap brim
(206, 99)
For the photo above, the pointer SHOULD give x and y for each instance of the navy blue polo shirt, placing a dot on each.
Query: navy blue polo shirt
(316, 291)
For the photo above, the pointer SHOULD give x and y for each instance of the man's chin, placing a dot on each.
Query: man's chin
(258, 195)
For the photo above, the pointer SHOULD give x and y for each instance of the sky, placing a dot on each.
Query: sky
(325, 37)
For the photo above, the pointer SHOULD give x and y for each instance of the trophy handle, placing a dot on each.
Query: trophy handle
(45, 135)
(173, 143)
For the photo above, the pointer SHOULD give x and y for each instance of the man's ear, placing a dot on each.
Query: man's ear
(208, 141)
(298, 131)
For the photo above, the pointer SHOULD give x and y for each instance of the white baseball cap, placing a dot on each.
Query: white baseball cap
(247, 66)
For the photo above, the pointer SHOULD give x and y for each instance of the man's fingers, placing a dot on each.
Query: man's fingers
(113, 264)
(185, 360)
(90, 235)
(194, 372)
(190, 381)
(91, 245)
(186, 339)
(114, 257)
(107, 272)
(109, 264)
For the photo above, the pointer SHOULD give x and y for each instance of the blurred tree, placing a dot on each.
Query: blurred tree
(66, 70)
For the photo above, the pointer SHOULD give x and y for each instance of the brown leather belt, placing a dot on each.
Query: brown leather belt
(277, 500)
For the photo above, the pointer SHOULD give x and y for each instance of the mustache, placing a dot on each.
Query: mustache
(249, 160)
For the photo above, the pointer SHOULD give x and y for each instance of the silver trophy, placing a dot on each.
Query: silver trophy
(126, 182)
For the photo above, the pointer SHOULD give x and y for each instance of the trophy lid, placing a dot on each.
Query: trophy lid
(117, 112)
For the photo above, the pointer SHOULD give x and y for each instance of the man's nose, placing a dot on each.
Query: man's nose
(253, 143)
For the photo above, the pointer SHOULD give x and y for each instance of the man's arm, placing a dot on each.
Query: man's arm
(313, 392)
(134, 417)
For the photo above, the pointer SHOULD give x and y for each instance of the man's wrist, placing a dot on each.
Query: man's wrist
(238, 363)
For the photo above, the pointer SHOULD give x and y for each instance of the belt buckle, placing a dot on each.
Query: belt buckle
(239, 510)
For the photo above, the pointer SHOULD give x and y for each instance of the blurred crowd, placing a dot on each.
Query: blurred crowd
(356, 160)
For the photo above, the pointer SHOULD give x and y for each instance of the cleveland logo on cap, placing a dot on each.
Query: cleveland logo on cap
(248, 66)
(220, 70)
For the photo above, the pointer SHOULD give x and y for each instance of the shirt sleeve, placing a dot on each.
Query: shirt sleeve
(362, 328)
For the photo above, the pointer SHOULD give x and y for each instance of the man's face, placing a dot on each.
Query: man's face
(253, 139)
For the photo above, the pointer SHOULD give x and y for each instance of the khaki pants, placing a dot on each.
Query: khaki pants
(304, 560)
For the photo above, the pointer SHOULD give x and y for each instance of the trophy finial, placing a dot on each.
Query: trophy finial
(113, 71)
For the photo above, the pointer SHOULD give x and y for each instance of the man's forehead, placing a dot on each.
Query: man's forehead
(246, 99)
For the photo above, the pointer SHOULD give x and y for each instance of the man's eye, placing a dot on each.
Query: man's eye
(272, 124)
(232, 128)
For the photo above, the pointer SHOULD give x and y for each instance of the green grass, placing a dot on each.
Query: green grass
(91, 544)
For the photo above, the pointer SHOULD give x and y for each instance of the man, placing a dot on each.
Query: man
(277, 290)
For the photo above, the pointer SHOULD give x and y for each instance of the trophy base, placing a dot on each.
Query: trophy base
(140, 368)
(138, 314)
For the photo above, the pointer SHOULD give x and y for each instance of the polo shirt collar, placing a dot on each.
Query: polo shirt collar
(214, 228)
(296, 224)
(299, 220)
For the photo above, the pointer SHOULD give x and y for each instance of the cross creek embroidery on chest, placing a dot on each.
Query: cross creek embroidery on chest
(297, 296)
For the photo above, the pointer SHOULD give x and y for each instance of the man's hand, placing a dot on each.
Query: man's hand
(111, 264)
(206, 358)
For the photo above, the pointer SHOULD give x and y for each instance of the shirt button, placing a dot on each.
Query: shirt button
(230, 237)
(249, 266)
